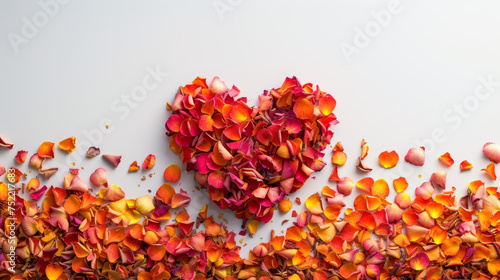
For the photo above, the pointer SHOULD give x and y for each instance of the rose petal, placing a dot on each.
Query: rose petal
(68, 145)
(217, 86)
(172, 173)
(365, 184)
(46, 150)
(345, 186)
(425, 190)
(4, 143)
(400, 184)
(303, 109)
(313, 204)
(492, 151)
(465, 165)
(144, 204)
(93, 151)
(149, 162)
(339, 158)
(114, 160)
(99, 177)
(446, 159)
(113, 193)
(420, 261)
(490, 170)
(380, 188)
(388, 159)
(53, 271)
(416, 156)
(21, 156)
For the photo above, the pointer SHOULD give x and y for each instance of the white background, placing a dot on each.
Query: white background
(63, 77)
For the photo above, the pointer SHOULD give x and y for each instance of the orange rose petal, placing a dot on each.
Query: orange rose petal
(475, 185)
(172, 173)
(303, 109)
(380, 188)
(53, 271)
(327, 104)
(285, 205)
(240, 113)
(347, 270)
(367, 221)
(157, 251)
(165, 193)
(326, 233)
(451, 246)
(438, 235)
(494, 266)
(313, 204)
(339, 158)
(133, 167)
(46, 150)
(410, 217)
(332, 211)
(465, 165)
(416, 233)
(388, 159)
(446, 159)
(490, 170)
(434, 209)
(334, 176)
(72, 204)
(68, 145)
(328, 192)
(33, 184)
(400, 184)
(365, 184)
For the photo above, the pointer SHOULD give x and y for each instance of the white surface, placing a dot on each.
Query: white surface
(66, 79)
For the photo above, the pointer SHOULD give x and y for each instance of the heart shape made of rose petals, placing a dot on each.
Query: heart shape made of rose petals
(249, 158)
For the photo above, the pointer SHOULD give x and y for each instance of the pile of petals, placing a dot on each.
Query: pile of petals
(249, 158)
(76, 235)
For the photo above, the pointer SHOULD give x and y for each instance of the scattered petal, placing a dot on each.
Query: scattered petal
(446, 159)
(149, 162)
(114, 160)
(388, 159)
(68, 145)
(172, 173)
(416, 156)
